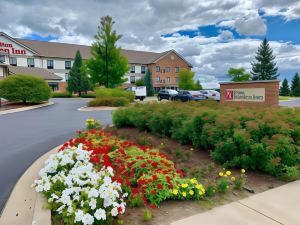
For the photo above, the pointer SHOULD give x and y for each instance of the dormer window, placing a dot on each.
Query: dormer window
(50, 64)
(13, 61)
(2, 58)
(30, 62)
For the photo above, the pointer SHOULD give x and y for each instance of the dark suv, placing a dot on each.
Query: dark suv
(189, 96)
(166, 94)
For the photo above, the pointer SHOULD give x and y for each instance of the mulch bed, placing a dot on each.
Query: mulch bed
(7, 106)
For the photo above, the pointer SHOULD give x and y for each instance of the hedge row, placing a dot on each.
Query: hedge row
(109, 101)
(265, 139)
(114, 92)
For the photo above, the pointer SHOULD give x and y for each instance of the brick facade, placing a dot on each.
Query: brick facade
(171, 60)
(271, 92)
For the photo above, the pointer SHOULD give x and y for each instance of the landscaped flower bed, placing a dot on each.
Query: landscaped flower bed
(93, 175)
(265, 139)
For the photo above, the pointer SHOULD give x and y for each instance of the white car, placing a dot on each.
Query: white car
(211, 94)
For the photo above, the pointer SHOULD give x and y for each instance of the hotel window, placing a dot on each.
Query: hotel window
(49, 64)
(157, 68)
(67, 65)
(168, 79)
(157, 79)
(176, 79)
(143, 69)
(2, 58)
(13, 61)
(176, 69)
(132, 69)
(132, 79)
(30, 62)
(167, 69)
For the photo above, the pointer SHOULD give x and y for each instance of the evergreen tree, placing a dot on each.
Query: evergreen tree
(78, 81)
(149, 83)
(265, 66)
(197, 86)
(108, 65)
(284, 89)
(295, 87)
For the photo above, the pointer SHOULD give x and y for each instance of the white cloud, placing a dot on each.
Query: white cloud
(142, 24)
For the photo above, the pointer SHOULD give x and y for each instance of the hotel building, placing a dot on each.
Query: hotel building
(52, 61)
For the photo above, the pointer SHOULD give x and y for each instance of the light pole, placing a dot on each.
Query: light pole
(106, 60)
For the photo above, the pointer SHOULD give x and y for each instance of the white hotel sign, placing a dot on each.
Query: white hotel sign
(245, 95)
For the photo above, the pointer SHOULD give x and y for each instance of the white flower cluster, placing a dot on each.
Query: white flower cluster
(77, 189)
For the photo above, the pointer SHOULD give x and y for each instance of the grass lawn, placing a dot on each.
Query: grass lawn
(285, 98)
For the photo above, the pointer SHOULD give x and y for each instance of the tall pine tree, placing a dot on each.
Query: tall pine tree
(295, 87)
(149, 83)
(284, 89)
(78, 81)
(265, 66)
(108, 65)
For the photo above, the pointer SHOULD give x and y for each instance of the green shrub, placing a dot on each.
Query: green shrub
(114, 92)
(64, 94)
(265, 139)
(109, 101)
(88, 95)
(25, 88)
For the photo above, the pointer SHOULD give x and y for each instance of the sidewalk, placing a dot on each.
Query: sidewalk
(277, 206)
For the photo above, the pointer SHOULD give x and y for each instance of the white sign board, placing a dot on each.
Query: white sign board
(245, 95)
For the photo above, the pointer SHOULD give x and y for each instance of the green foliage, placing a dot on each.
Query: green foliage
(64, 94)
(291, 173)
(197, 86)
(140, 82)
(78, 81)
(186, 81)
(265, 139)
(114, 92)
(265, 67)
(149, 83)
(238, 74)
(88, 95)
(222, 185)
(284, 89)
(109, 101)
(108, 65)
(295, 87)
(25, 88)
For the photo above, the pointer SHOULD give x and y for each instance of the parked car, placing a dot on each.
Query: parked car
(211, 94)
(166, 94)
(189, 96)
(140, 92)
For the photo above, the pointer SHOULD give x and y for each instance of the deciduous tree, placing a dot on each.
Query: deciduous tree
(238, 74)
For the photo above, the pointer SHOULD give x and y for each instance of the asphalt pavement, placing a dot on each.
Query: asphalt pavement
(290, 103)
(25, 136)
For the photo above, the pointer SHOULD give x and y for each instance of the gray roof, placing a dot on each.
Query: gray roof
(34, 71)
(250, 82)
(68, 51)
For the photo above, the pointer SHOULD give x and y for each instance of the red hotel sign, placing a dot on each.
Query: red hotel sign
(9, 49)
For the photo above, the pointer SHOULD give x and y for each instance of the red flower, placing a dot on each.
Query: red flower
(153, 192)
(143, 165)
(135, 191)
(154, 177)
(159, 186)
(152, 206)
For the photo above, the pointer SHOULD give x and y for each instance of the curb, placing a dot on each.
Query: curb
(25, 108)
(100, 108)
(24, 206)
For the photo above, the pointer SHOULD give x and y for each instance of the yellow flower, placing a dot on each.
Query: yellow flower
(193, 181)
(225, 175)
(184, 185)
(243, 171)
(184, 194)
(201, 192)
(175, 191)
(199, 186)
(221, 174)
(232, 178)
(228, 173)
(191, 192)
